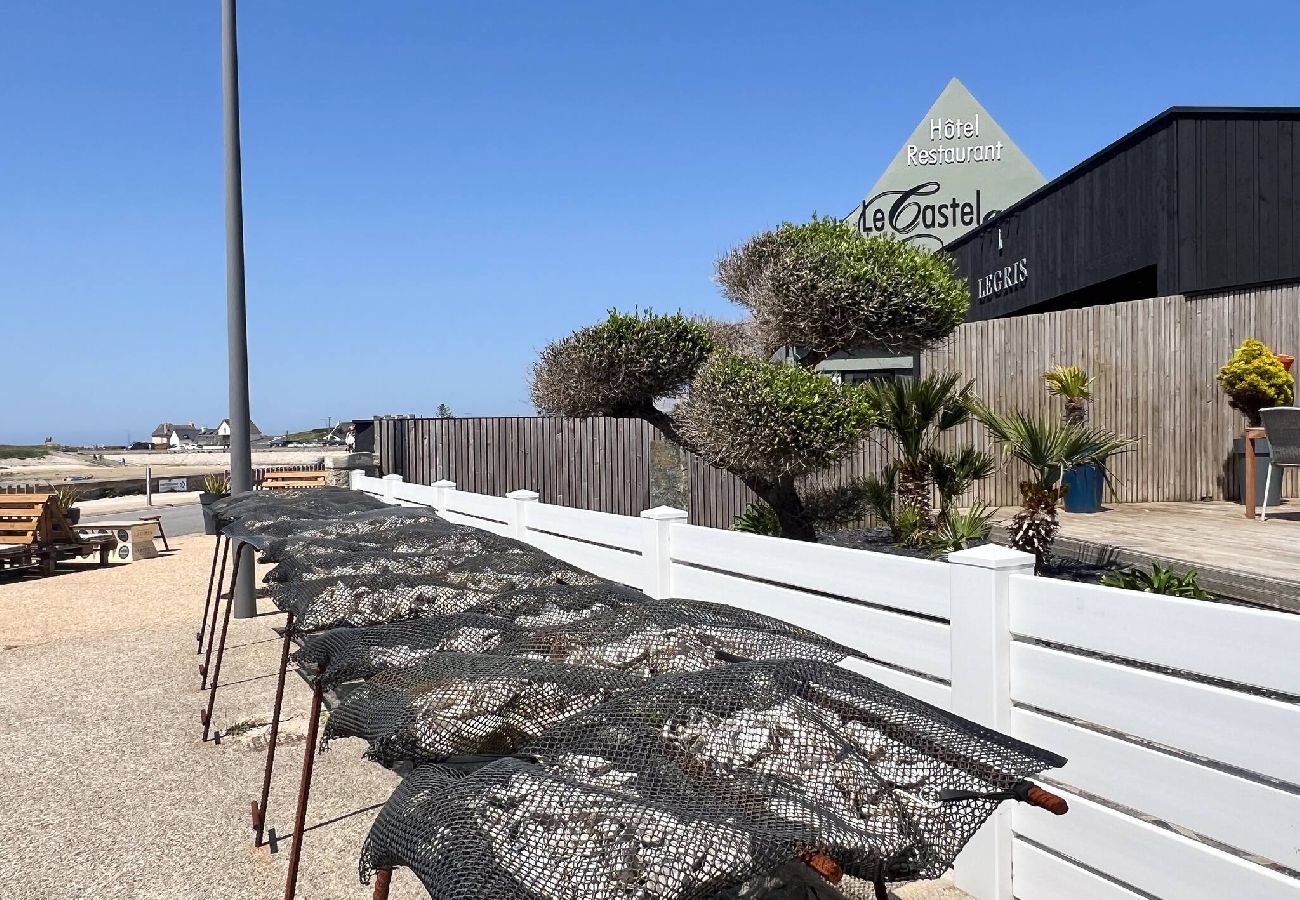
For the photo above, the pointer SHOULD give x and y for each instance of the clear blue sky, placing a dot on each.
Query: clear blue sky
(435, 190)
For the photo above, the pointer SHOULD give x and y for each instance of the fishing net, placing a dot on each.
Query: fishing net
(660, 636)
(370, 526)
(374, 588)
(440, 538)
(691, 784)
(353, 654)
(466, 704)
(312, 503)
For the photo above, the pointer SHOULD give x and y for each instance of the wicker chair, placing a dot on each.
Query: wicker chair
(1282, 425)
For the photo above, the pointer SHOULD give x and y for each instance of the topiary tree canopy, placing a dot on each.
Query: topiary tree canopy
(821, 287)
(825, 288)
(621, 366)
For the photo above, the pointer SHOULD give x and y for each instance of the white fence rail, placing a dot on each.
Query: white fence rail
(1181, 718)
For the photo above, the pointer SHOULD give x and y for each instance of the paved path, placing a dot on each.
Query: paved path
(179, 516)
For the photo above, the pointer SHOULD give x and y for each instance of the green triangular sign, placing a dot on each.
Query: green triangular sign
(956, 170)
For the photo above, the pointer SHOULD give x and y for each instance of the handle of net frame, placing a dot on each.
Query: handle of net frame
(1024, 791)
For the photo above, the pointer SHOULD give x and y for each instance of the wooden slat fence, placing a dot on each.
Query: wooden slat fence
(1154, 361)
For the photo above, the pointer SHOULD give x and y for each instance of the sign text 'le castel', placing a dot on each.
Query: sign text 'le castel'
(957, 169)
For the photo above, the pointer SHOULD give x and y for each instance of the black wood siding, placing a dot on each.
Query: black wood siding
(1210, 199)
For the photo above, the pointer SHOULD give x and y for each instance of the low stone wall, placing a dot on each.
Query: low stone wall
(261, 458)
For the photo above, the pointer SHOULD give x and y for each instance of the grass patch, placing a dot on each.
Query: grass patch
(308, 437)
(20, 451)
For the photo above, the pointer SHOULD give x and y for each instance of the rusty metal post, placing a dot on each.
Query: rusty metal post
(304, 788)
(206, 717)
(259, 808)
(383, 878)
(207, 604)
(216, 607)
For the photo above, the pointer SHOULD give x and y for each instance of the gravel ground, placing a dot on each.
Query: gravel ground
(108, 790)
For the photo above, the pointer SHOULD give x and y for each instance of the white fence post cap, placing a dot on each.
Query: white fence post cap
(392, 478)
(444, 483)
(992, 556)
(523, 495)
(665, 512)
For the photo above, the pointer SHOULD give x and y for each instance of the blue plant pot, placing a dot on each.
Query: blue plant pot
(1083, 486)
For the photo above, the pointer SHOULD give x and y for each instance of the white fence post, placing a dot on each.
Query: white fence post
(355, 476)
(390, 487)
(657, 572)
(440, 489)
(981, 690)
(518, 517)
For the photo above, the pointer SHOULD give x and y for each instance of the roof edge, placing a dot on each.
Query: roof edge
(1139, 133)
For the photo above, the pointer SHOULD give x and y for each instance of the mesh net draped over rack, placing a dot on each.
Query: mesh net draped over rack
(313, 503)
(466, 704)
(440, 539)
(661, 636)
(371, 587)
(350, 654)
(372, 525)
(694, 783)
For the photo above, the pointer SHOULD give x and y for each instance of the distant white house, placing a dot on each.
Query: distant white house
(172, 436)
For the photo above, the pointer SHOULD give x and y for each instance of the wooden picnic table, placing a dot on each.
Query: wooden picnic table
(133, 538)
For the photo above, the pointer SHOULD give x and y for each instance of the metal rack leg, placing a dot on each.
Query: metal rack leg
(304, 790)
(216, 608)
(259, 808)
(207, 603)
(206, 717)
(383, 878)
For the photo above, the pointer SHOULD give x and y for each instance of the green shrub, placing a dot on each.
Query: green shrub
(1159, 580)
(619, 367)
(771, 420)
(217, 483)
(826, 287)
(758, 518)
(1254, 379)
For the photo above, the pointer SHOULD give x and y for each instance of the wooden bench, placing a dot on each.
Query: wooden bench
(286, 481)
(34, 531)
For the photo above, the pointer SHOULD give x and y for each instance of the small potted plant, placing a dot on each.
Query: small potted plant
(1255, 379)
(1082, 484)
(215, 486)
(66, 497)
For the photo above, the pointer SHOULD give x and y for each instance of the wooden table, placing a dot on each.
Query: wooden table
(1250, 435)
(133, 538)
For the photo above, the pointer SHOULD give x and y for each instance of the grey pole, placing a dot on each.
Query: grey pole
(241, 452)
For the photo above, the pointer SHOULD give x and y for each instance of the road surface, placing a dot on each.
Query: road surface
(176, 520)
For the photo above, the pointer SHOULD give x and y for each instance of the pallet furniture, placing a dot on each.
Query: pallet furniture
(35, 532)
(293, 480)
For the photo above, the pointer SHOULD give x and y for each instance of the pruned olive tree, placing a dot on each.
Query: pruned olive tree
(819, 288)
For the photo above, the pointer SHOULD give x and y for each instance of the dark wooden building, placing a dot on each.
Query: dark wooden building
(1196, 200)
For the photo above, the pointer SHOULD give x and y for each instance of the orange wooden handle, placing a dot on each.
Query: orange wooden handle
(824, 866)
(1055, 805)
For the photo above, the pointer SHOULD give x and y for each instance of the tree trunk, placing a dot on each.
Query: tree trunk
(785, 501)
(914, 491)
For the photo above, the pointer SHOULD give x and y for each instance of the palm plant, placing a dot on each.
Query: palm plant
(1049, 449)
(1073, 385)
(915, 413)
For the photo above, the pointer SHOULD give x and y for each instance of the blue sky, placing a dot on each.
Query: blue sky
(434, 190)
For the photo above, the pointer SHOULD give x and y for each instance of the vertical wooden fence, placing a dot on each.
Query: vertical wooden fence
(1154, 362)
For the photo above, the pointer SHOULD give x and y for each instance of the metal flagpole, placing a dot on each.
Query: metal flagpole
(241, 454)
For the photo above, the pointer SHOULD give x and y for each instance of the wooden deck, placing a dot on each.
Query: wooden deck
(1239, 557)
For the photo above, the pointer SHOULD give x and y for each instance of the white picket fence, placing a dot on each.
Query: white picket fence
(1181, 718)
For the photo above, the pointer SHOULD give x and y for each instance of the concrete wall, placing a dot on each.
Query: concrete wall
(261, 458)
